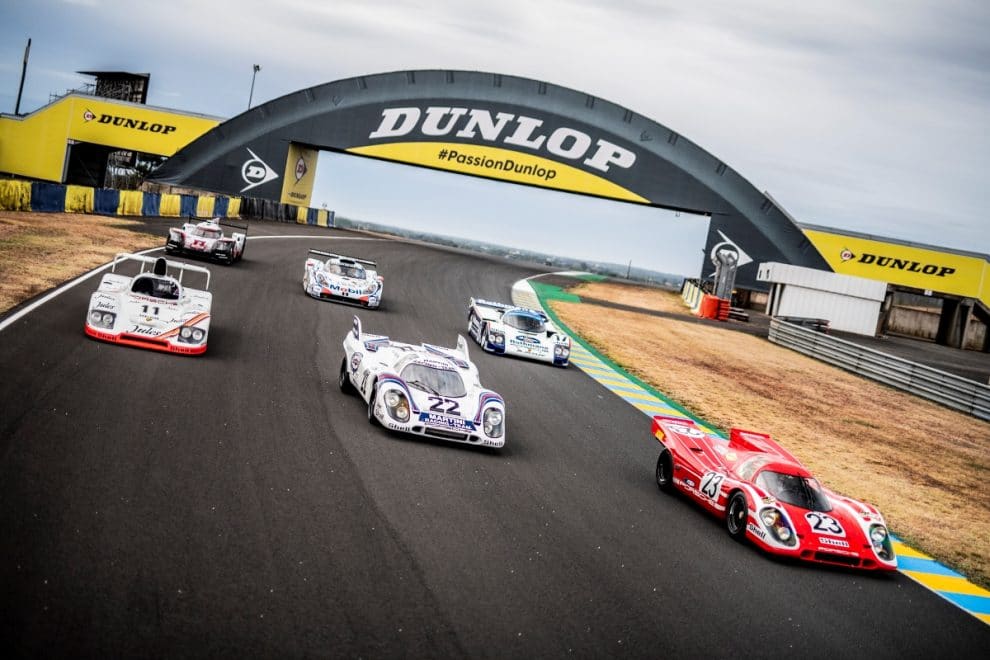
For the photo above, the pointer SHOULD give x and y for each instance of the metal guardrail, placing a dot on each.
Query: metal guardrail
(942, 387)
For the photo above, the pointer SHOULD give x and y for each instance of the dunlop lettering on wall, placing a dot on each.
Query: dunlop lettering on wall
(904, 265)
(133, 127)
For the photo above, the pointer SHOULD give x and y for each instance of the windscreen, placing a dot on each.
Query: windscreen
(524, 322)
(157, 287)
(803, 492)
(442, 382)
(207, 233)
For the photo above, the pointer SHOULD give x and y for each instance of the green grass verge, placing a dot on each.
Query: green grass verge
(547, 292)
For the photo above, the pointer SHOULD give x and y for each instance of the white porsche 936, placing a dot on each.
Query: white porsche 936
(151, 309)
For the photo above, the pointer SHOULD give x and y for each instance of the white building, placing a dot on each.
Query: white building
(849, 303)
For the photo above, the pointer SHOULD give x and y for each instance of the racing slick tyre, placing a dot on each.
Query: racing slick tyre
(371, 406)
(344, 380)
(736, 514)
(665, 471)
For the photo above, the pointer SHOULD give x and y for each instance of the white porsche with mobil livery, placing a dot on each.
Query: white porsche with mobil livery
(207, 239)
(425, 390)
(343, 279)
(151, 309)
(508, 330)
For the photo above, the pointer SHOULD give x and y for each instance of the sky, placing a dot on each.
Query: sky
(865, 116)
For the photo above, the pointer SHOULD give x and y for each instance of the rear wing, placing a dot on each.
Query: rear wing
(243, 228)
(488, 303)
(218, 221)
(371, 342)
(343, 256)
(755, 441)
(662, 425)
(503, 307)
(459, 355)
(159, 266)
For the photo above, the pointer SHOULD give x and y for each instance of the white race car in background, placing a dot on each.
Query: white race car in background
(508, 330)
(207, 239)
(343, 279)
(424, 390)
(151, 309)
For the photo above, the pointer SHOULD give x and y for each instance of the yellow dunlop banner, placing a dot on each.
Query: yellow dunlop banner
(905, 265)
(496, 163)
(170, 205)
(300, 172)
(15, 195)
(234, 207)
(79, 199)
(134, 127)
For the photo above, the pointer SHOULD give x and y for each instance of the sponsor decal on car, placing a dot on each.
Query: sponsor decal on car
(756, 531)
(435, 419)
(825, 540)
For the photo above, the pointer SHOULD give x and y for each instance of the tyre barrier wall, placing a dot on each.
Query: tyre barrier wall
(59, 198)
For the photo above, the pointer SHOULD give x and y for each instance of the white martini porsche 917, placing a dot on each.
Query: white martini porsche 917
(422, 389)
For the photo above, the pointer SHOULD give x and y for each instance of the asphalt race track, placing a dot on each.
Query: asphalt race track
(239, 505)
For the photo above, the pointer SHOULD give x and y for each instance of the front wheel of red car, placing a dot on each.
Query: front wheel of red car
(736, 514)
(665, 471)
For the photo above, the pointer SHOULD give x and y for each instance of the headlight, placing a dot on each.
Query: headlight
(881, 542)
(191, 335)
(493, 422)
(397, 405)
(777, 525)
(560, 350)
(497, 338)
(102, 319)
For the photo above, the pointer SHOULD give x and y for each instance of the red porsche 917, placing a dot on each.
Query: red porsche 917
(766, 495)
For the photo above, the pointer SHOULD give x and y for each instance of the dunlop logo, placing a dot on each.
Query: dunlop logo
(128, 122)
(899, 264)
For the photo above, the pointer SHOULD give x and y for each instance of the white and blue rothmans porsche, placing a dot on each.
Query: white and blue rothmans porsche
(152, 309)
(508, 330)
(343, 279)
(425, 390)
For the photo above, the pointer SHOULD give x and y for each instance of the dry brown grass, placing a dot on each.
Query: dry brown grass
(41, 250)
(926, 467)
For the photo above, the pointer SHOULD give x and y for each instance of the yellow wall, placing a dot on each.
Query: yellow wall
(35, 146)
